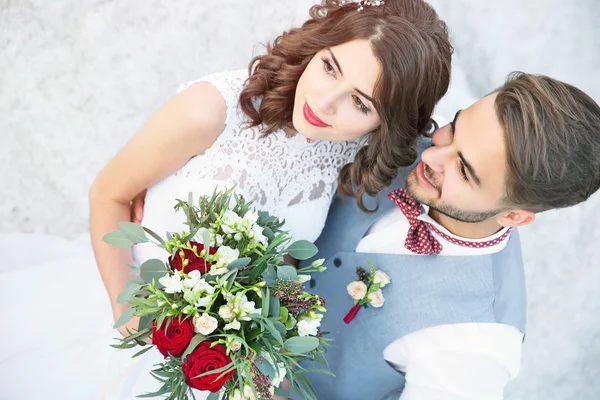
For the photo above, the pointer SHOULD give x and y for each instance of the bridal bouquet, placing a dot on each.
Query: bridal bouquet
(223, 307)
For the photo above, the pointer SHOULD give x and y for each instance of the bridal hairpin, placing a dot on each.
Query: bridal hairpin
(363, 3)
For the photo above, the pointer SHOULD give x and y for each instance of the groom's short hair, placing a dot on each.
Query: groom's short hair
(552, 134)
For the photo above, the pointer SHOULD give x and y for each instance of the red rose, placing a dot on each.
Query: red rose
(194, 262)
(203, 359)
(176, 338)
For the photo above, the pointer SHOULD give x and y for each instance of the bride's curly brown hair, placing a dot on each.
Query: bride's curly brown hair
(412, 45)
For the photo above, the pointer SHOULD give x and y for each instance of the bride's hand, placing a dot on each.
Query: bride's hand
(137, 207)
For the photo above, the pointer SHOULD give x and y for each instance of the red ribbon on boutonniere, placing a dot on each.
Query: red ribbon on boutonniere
(366, 290)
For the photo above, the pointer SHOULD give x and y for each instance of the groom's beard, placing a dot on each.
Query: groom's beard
(434, 202)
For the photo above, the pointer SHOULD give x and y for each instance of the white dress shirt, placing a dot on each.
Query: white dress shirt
(471, 361)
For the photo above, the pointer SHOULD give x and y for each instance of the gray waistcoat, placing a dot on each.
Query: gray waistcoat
(426, 291)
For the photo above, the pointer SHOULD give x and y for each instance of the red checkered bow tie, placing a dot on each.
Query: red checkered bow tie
(419, 239)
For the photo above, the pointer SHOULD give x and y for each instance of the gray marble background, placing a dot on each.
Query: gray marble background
(78, 78)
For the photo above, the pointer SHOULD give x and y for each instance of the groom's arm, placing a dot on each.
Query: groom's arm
(457, 362)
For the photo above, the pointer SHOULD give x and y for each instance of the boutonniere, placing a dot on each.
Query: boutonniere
(366, 290)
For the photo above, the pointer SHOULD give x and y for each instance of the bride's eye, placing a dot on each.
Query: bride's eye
(327, 66)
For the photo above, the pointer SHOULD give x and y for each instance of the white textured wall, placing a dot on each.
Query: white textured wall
(77, 78)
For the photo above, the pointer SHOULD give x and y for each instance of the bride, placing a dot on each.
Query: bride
(287, 133)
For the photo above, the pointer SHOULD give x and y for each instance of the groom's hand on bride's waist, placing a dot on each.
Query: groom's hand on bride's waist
(137, 207)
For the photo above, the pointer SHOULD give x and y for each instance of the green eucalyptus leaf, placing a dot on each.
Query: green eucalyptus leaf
(214, 396)
(139, 353)
(125, 317)
(302, 250)
(154, 235)
(265, 367)
(196, 340)
(301, 344)
(239, 263)
(152, 269)
(133, 232)
(287, 273)
(145, 322)
(117, 239)
(206, 242)
(270, 276)
(274, 307)
(273, 331)
(130, 290)
(266, 297)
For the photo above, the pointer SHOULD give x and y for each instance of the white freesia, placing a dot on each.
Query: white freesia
(205, 324)
(308, 326)
(303, 278)
(235, 325)
(224, 256)
(216, 240)
(203, 293)
(172, 283)
(245, 307)
(357, 289)
(376, 299)
(230, 222)
(258, 235)
(382, 278)
(237, 309)
(192, 279)
(250, 219)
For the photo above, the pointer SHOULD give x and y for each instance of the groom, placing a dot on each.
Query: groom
(451, 326)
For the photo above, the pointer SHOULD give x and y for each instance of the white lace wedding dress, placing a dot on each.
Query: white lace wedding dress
(55, 315)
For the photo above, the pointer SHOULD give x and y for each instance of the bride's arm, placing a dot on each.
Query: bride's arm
(185, 126)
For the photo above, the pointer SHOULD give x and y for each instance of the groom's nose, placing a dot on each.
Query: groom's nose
(437, 157)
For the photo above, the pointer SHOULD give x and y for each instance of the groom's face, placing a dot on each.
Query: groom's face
(463, 173)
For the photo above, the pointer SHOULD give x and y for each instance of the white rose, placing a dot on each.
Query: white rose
(199, 236)
(236, 345)
(205, 324)
(226, 312)
(231, 222)
(172, 283)
(248, 393)
(357, 289)
(382, 278)
(226, 255)
(308, 326)
(376, 299)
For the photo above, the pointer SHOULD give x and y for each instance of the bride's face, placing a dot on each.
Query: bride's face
(334, 96)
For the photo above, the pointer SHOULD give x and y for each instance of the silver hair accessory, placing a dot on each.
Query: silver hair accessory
(374, 3)
(363, 3)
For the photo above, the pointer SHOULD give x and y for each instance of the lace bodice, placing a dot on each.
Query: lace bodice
(288, 177)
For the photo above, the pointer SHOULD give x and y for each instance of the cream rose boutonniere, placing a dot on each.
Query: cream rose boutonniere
(367, 290)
